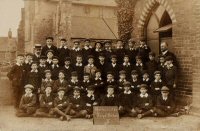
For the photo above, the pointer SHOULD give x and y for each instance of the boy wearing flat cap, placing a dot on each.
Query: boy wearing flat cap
(78, 104)
(42, 66)
(87, 50)
(46, 103)
(120, 82)
(139, 66)
(110, 99)
(27, 105)
(16, 75)
(144, 105)
(49, 46)
(165, 105)
(90, 67)
(126, 66)
(127, 101)
(145, 78)
(135, 82)
(75, 51)
(91, 100)
(73, 82)
(61, 105)
(79, 67)
(85, 83)
(99, 84)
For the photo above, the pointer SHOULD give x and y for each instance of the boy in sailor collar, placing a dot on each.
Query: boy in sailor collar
(46, 81)
(170, 74)
(67, 68)
(90, 67)
(131, 51)
(63, 51)
(55, 68)
(16, 75)
(75, 51)
(49, 46)
(73, 82)
(61, 105)
(49, 61)
(151, 65)
(120, 51)
(114, 67)
(61, 82)
(146, 78)
(91, 100)
(110, 99)
(99, 84)
(85, 83)
(110, 79)
(127, 101)
(139, 66)
(120, 82)
(27, 105)
(143, 51)
(127, 67)
(144, 106)
(135, 82)
(87, 50)
(42, 66)
(165, 105)
(79, 67)
(34, 78)
(156, 85)
(78, 104)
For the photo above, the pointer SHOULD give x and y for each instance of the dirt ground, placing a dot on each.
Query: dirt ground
(9, 122)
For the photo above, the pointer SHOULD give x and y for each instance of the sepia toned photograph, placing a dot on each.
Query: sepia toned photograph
(100, 65)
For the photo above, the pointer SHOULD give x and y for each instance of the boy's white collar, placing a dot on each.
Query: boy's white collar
(145, 95)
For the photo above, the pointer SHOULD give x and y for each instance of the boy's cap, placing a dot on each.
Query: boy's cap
(126, 56)
(61, 89)
(134, 72)
(98, 42)
(49, 51)
(143, 86)
(138, 57)
(168, 58)
(109, 72)
(62, 71)
(122, 72)
(165, 88)
(161, 56)
(76, 88)
(144, 72)
(34, 62)
(76, 42)
(38, 46)
(29, 54)
(101, 54)
(74, 73)
(91, 87)
(63, 39)
(67, 59)
(108, 42)
(152, 54)
(110, 86)
(47, 71)
(90, 56)
(29, 86)
(50, 38)
(86, 74)
(48, 86)
(43, 57)
(127, 83)
(157, 72)
(113, 56)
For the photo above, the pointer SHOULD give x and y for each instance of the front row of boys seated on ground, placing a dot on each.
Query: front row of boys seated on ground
(80, 103)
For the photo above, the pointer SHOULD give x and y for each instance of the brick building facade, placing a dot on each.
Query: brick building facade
(184, 42)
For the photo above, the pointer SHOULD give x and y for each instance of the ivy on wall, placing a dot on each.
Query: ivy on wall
(125, 12)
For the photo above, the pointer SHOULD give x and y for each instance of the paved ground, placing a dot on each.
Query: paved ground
(8, 122)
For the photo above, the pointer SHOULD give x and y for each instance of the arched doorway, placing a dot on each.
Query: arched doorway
(158, 28)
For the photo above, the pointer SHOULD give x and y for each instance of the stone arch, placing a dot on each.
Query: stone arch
(149, 7)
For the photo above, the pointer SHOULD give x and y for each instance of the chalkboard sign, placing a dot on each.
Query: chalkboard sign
(105, 115)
